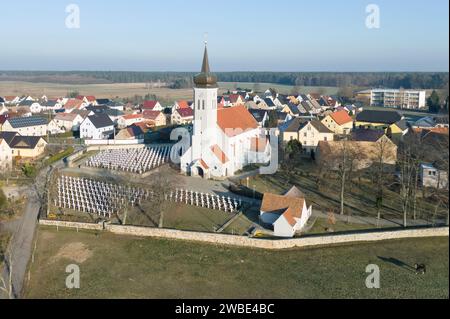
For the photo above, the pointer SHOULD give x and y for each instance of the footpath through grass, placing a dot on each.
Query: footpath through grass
(128, 267)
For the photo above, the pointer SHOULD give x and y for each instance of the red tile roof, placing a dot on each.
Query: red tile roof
(186, 112)
(73, 104)
(289, 207)
(149, 104)
(219, 153)
(235, 120)
(341, 117)
(151, 115)
(183, 104)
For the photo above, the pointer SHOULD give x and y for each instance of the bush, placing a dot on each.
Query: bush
(3, 199)
(29, 170)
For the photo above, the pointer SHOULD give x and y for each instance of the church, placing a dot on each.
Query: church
(224, 140)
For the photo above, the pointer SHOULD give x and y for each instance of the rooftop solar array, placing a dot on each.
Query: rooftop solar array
(18, 122)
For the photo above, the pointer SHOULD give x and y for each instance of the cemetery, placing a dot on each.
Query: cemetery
(77, 198)
(131, 160)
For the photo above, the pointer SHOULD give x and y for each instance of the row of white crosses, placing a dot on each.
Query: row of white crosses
(101, 198)
(107, 199)
(131, 160)
(215, 202)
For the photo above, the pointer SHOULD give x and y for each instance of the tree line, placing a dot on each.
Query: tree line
(406, 80)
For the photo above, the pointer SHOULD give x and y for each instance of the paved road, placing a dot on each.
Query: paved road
(21, 244)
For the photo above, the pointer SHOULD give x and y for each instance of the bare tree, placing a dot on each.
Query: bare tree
(6, 283)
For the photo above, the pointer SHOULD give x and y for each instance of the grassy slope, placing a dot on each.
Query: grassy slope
(127, 267)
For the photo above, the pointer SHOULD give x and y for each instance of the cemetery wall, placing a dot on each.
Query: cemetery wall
(241, 241)
(58, 223)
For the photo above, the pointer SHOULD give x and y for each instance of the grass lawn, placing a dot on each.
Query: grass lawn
(186, 217)
(321, 225)
(129, 267)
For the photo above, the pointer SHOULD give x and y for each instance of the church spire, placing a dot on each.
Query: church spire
(205, 79)
(205, 65)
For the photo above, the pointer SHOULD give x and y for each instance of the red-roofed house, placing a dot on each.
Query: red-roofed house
(339, 122)
(152, 105)
(89, 99)
(288, 213)
(130, 119)
(74, 104)
(156, 117)
(182, 116)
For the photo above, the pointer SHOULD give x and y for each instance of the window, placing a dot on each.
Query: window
(203, 104)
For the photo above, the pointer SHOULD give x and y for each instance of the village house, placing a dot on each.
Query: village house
(5, 155)
(261, 116)
(339, 122)
(97, 127)
(398, 129)
(365, 147)
(129, 119)
(88, 100)
(35, 107)
(24, 146)
(3, 109)
(133, 132)
(308, 133)
(288, 213)
(11, 100)
(68, 121)
(379, 120)
(26, 126)
(182, 116)
(74, 104)
(431, 176)
(156, 117)
(152, 105)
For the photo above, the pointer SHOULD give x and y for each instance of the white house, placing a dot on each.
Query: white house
(27, 126)
(182, 116)
(97, 127)
(130, 119)
(221, 139)
(288, 213)
(3, 109)
(433, 177)
(311, 133)
(68, 121)
(5, 156)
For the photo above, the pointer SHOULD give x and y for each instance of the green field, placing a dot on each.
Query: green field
(128, 267)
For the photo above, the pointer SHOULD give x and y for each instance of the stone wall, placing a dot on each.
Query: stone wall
(241, 241)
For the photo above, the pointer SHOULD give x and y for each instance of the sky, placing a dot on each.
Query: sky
(243, 35)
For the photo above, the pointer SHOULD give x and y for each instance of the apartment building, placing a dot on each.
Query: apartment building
(403, 99)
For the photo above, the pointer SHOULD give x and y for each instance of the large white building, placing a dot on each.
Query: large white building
(97, 127)
(403, 99)
(222, 139)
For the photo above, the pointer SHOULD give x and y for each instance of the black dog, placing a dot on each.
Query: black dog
(421, 269)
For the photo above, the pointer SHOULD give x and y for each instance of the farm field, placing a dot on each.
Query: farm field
(129, 267)
(128, 90)
(115, 90)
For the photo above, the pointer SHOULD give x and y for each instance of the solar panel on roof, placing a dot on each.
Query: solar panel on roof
(18, 122)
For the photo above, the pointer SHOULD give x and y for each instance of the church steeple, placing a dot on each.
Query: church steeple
(205, 79)
(205, 65)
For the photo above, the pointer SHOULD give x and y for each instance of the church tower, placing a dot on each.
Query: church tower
(205, 112)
